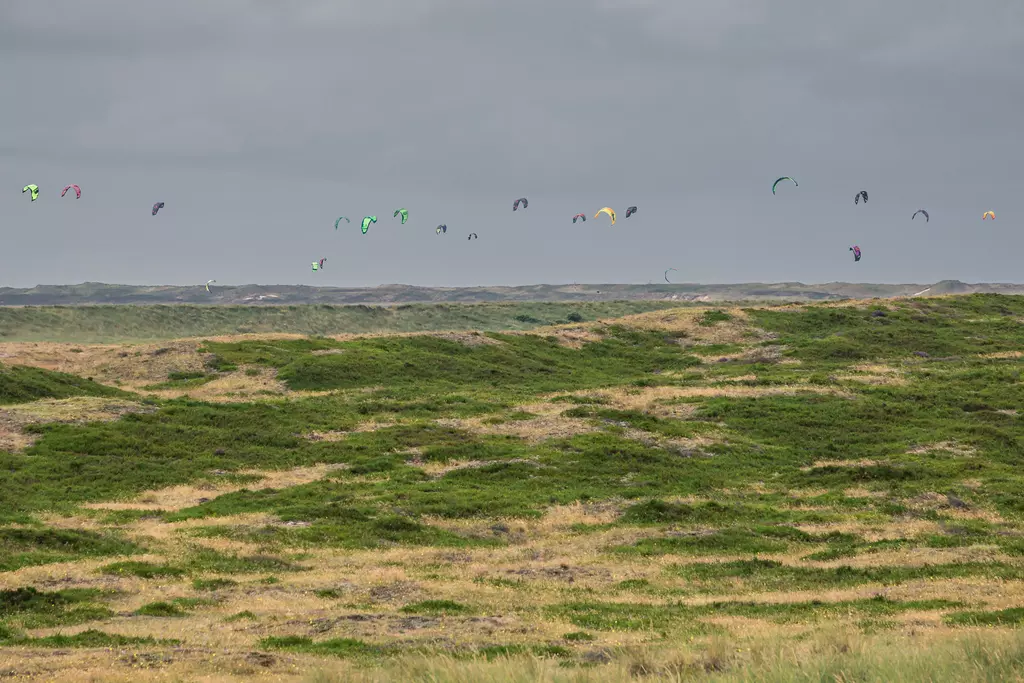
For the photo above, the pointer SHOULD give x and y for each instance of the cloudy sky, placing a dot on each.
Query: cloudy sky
(259, 122)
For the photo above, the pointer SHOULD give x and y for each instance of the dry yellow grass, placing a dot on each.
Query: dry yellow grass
(368, 426)
(861, 492)
(131, 365)
(437, 470)
(944, 446)
(575, 337)
(753, 654)
(684, 446)
(468, 338)
(819, 464)
(546, 555)
(683, 321)
(180, 497)
(884, 304)
(327, 436)
(242, 385)
(659, 400)
(536, 430)
(136, 366)
(1003, 354)
(740, 378)
(737, 330)
(761, 354)
(875, 374)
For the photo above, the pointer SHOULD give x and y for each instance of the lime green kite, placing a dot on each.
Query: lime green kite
(366, 223)
(405, 214)
(34, 189)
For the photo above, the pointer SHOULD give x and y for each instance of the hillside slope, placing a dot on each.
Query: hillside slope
(805, 492)
(117, 323)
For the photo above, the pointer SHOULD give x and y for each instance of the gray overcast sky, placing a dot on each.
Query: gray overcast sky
(259, 122)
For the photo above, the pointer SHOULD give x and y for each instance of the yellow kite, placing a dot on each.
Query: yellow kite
(607, 210)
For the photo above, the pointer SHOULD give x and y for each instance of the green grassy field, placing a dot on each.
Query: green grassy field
(119, 323)
(801, 493)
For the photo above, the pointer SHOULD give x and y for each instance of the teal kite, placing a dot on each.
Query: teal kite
(785, 177)
(339, 220)
(405, 214)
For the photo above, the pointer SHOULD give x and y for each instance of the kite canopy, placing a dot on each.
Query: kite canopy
(579, 215)
(926, 218)
(785, 177)
(157, 207)
(515, 204)
(608, 210)
(863, 194)
(441, 228)
(472, 236)
(405, 214)
(341, 219)
(630, 211)
(208, 283)
(34, 189)
(987, 214)
(856, 252)
(666, 275)
(366, 223)
(78, 191)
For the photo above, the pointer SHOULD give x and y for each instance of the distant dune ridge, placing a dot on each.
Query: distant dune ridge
(101, 293)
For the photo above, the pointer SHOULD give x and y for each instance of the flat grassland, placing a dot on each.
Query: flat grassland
(830, 492)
